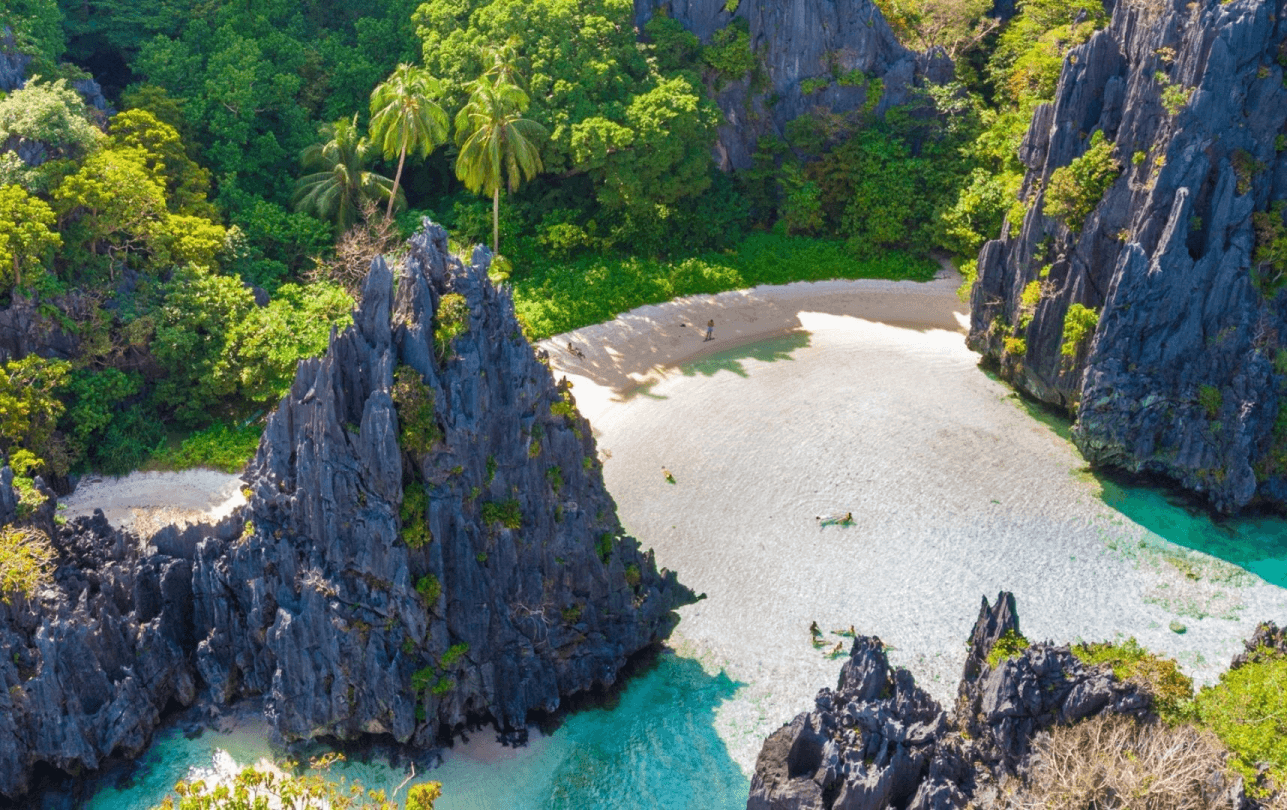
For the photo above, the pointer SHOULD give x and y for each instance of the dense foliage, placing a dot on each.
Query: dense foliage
(193, 246)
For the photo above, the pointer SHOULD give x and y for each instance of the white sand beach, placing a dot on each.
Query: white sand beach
(867, 402)
(148, 501)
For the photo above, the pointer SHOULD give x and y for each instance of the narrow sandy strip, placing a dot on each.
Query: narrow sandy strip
(638, 347)
(148, 501)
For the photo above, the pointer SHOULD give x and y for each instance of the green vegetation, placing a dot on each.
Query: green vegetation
(632, 575)
(454, 654)
(26, 562)
(429, 588)
(1010, 645)
(1077, 188)
(418, 425)
(1015, 346)
(1079, 323)
(414, 517)
(1269, 262)
(1211, 400)
(222, 447)
(507, 513)
(273, 145)
(604, 546)
(1247, 710)
(450, 321)
(1170, 689)
(255, 787)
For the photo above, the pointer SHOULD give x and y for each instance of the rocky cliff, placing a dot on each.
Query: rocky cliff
(878, 740)
(432, 539)
(428, 542)
(1158, 318)
(844, 45)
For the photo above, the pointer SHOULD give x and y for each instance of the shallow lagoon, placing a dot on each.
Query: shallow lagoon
(659, 743)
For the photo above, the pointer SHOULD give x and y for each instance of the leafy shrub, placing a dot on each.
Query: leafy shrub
(675, 47)
(1245, 169)
(1170, 689)
(1079, 322)
(222, 447)
(429, 588)
(450, 321)
(1269, 265)
(1211, 400)
(453, 654)
(729, 53)
(1015, 346)
(1028, 301)
(1175, 97)
(604, 546)
(29, 411)
(632, 575)
(1247, 710)
(26, 561)
(554, 475)
(1076, 189)
(254, 787)
(810, 86)
(506, 512)
(1008, 646)
(419, 430)
(414, 516)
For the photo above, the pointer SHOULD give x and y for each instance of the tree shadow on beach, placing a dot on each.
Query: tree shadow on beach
(766, 351)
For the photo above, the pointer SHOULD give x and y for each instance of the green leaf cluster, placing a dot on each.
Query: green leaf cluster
(418, 425)
(1079, 323)
(26, 562)
(1076, 189)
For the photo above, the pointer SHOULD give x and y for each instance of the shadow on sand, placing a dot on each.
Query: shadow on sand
(765, 351)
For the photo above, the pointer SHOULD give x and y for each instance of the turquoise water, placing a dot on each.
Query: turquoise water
(1255, 543)
(655, 747)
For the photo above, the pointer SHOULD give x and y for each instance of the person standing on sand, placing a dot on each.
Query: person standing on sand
(710, 330)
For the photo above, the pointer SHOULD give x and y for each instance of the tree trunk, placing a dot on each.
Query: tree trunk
(393, 195)
(496, 220)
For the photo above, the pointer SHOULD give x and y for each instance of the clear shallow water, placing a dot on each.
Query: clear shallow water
(656, 747)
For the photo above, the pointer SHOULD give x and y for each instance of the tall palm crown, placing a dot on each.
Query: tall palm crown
(497, 144)
(340, 181)
(405, 119)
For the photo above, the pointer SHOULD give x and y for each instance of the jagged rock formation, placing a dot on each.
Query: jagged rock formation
(368, 588)
(1180, 376)
(92, 660)
(1269, 641)
(521, 587)
(13, 63)
(795, 41)
(880, 741)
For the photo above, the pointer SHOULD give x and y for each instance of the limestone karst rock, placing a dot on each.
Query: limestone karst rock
(428, 542)
(1182, 375)
(413, 565)
(795, 41)
(878, 740)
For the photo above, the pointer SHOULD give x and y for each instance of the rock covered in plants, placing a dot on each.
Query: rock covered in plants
(1142, 290)
(836, 54)
(1268, 642)
(432, 540)
(880, 741)
(13, 63)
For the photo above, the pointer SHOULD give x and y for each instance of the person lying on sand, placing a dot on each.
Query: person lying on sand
(665, 473)
(575, 352)
(837, 520)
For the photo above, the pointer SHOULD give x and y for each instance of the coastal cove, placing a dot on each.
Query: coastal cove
(1088, 560)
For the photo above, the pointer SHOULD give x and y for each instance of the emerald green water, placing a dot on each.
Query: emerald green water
(656, 747)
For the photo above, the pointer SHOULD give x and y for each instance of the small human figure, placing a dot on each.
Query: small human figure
(814, 630)
(710, 330)
(836, 520)
(665, 473)
(575, 352)
(838, 649)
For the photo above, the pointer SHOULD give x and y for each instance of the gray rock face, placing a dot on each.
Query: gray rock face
(798, 40)
(13, 64)
(1269, 641)
(318, 610)
(880, 741)
(92, 660)
(1179, 377)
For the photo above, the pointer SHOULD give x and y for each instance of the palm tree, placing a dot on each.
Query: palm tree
(497, 145)
(405, 118)
(340, 181)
